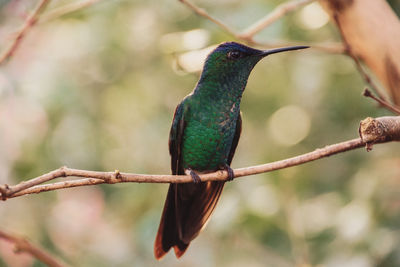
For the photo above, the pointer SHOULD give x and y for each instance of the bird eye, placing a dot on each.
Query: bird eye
(233, 54)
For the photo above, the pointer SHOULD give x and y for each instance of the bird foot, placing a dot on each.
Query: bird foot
(195, 176)
(231, 175)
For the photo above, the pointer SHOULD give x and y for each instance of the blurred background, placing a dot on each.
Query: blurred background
(96, 89)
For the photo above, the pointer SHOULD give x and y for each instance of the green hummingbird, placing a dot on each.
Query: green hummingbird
(203, 138)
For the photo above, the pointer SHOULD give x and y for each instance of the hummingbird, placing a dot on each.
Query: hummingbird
(203, 138)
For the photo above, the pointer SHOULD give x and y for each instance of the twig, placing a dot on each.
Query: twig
(384, 129)
(23, 245)
(93, 177)
(383, 103)
(35, 181)
(202, 12)
(65, 9)
(278, 12)
(29, 22)
(331, 48)
(363, 73)
(360, 69)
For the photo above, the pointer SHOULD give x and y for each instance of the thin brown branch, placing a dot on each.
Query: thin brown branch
(383, 103)
(331, 48)
(202, 12)
(363, 73)
(379, 130)
(93, 177)
(23, 245)
(278, 12)
(35, 181)
(359, 67)
(66, 9)
(29, 22)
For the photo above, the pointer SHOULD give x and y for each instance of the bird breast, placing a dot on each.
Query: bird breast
(207, 140)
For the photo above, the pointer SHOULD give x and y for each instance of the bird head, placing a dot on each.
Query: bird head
(232, 62)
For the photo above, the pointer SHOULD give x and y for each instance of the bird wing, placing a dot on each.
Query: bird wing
(236, 137)
(175, 139)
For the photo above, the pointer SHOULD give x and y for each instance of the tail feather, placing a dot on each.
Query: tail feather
(186, 210)
(167, 232)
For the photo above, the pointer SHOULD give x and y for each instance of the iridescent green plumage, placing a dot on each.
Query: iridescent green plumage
(203, 138)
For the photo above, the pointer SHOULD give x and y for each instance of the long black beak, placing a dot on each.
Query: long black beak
(282, 49)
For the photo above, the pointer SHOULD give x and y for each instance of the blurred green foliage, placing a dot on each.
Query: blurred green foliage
(96, 89)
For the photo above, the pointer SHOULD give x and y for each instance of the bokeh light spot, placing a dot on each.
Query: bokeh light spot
(193, 61)
(195, 39)
(313, 16)
(289, 125)
(264, 200)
